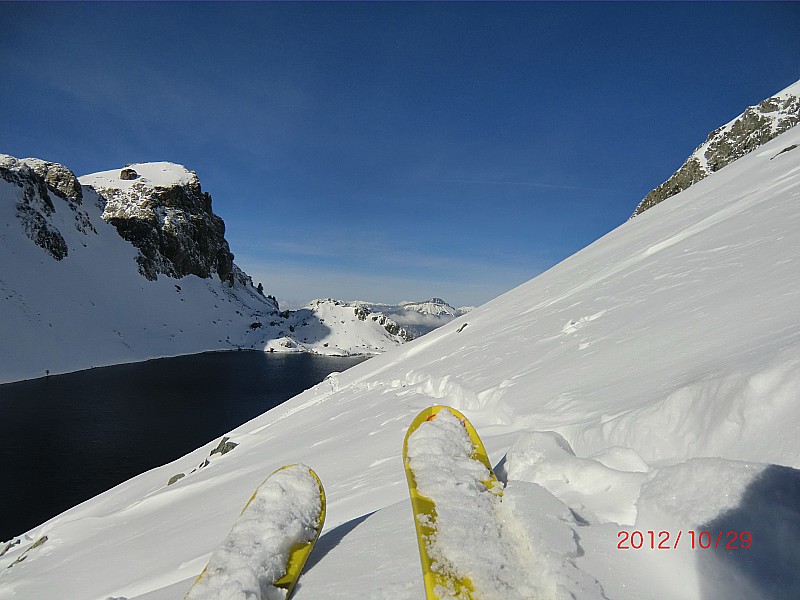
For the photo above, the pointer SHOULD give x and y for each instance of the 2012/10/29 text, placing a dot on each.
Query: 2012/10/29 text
(667, 540)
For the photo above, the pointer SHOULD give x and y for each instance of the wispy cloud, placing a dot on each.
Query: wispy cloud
(536, 184)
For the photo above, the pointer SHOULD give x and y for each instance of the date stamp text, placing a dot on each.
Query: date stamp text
(695, 540)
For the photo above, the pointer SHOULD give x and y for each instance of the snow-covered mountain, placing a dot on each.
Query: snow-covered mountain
(417, 318)
(331, 327)
(640, 399)
(754, 127)
(161, 209)
(132, 264)
(434, 306)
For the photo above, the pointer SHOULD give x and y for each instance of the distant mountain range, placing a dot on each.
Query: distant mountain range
(132, 263)
(754, 127)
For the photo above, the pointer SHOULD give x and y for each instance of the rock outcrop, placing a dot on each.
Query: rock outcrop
(754, 127)
(162, 210)
(40, 182)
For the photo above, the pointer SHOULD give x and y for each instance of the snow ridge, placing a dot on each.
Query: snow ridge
(417, 318)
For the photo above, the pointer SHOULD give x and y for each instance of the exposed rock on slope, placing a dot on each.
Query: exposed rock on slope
(58, 177)
(754, 127)
(161, 209)
(38, 180)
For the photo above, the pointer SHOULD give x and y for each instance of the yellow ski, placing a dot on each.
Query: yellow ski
(270, 541)
(440, 576)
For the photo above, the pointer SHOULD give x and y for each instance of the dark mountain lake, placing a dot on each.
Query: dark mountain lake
(67, 438)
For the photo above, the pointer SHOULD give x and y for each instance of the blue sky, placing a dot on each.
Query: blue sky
(393, 151)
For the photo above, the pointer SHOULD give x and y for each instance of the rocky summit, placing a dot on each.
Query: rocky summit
(162, 210)
(754, 127)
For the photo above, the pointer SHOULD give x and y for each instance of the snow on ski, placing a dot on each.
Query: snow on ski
(263, 555)
(466, 549)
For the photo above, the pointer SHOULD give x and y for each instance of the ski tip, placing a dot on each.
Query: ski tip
(429, 414)
(305, 468)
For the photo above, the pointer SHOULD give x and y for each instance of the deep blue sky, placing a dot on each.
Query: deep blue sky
(393, 151)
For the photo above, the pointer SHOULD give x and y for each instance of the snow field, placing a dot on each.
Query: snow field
(152, 174)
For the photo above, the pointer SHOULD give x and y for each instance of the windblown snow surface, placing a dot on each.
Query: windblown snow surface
(650, 383)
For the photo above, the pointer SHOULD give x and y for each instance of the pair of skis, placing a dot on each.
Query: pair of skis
(446, 465)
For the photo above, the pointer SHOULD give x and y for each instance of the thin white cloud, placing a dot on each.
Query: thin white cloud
(536, 184)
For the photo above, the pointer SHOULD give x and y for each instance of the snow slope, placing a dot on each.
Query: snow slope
(649, 383)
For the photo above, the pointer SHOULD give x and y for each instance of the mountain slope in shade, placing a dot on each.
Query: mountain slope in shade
(754, 127)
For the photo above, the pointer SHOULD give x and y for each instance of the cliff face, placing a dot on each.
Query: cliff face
(161, 209)
(754, 127)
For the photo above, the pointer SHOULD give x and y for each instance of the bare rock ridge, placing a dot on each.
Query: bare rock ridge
(754, 127)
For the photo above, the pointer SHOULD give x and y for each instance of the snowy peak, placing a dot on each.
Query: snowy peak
(434, 306)
(150, 175)
(754, 127)
(417, 318)
(72, 295)
(161, 209)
